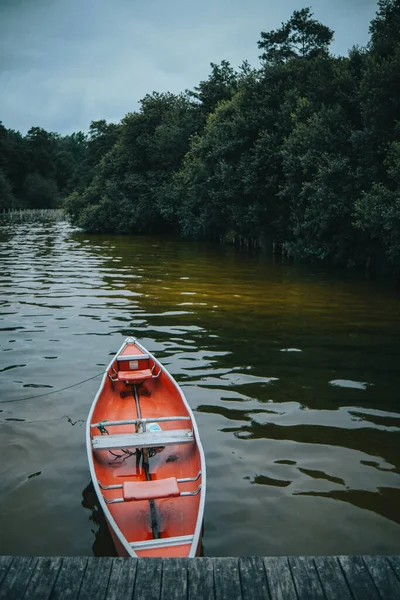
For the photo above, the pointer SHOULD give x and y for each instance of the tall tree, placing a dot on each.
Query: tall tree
(220, 85)
(385, 28)
(129, 192)
(300, 37)
(102, 137)
(7, 198)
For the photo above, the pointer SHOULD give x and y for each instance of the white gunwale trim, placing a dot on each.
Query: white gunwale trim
(120, 536)
(162, 543)
(200, 515)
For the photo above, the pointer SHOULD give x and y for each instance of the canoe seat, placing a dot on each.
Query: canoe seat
(134, 376)
(151, 490)
(146, 439)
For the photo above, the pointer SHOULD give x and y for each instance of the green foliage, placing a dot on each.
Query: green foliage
(42, 167)
(40, 192)
(130, 191)
(320, 185)
(377, 212)
(102, 137)
(221, 85)
(300, 37)
(40, 146)
(7, 199)
(385, 28)
(216, 183)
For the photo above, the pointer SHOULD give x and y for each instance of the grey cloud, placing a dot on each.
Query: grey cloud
(66, 62)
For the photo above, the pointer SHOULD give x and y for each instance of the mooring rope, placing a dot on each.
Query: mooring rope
(68, 387)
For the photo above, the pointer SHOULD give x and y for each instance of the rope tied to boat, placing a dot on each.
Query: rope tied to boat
(68, 387)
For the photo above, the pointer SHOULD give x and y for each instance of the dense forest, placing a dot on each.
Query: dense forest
(303, 151)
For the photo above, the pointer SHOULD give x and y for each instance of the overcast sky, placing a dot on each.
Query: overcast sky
(64, 63)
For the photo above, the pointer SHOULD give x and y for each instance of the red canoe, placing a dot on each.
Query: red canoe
(146, 459)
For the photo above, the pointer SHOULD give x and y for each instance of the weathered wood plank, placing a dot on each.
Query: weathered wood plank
(43, 578)
(95, 580)
(227, 579)
(122, 579)
(359, 580)
(17, 578)
(174, 579)
(253, 578)
(201, 579)
(331, 577)
(69, 580)
(248, 578)
(148, 439)
(5, 562)
(305, 578)
(279, 577)
(382, 573)
(395, 563)
(148, 579)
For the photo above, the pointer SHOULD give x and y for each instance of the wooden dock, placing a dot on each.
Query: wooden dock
(252, 578)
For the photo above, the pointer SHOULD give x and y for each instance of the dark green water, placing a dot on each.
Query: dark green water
(293, 377)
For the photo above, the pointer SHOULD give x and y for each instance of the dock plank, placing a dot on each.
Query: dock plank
(68, 582)
(381, 572)
(227, 579)
(122, 579)
(43, 578)
(253, 578)
(305, 578)
(17, 578)
(174, 579)
(5, 562)
(395, 563)
(148, 579)
(95, 579)
(280, 581)
(332, 578)
(201, 579)
(245, 578)
(358, 577)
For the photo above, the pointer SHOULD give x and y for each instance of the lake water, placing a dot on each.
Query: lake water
(293, 375)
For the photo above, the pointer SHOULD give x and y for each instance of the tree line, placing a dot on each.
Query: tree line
(303, 151)
(40, 169)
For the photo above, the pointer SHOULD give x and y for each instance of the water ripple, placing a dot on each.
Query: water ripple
(293, 378)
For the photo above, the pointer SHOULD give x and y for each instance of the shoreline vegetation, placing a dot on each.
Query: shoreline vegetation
(27, 215)
(301, 154)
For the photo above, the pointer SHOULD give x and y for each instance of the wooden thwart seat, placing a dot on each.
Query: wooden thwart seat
(146, 439)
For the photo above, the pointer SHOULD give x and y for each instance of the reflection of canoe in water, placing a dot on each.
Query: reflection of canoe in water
(103, 544)
(146, 459)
